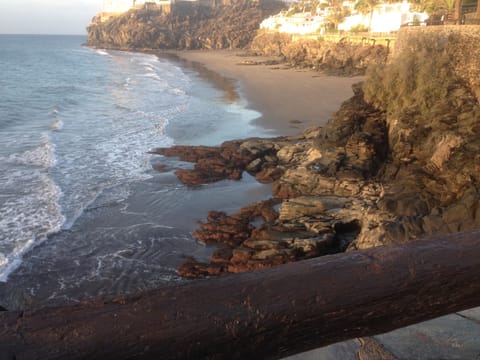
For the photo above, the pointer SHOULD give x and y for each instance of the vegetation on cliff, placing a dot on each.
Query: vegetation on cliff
(186, 26)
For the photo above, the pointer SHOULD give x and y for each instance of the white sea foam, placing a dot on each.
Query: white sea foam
(102, 52)
(43, 155)
(28, 217)
(177, 91)
(29, 210)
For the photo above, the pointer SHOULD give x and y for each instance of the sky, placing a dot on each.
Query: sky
(47, 16)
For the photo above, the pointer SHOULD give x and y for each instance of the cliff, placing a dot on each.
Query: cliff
(188, 25)
(337, 58)
(397, 162)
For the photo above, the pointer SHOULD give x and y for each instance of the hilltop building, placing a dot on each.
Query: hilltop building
(113, 8)
(386, 17)
(299, 23)
(121, 6)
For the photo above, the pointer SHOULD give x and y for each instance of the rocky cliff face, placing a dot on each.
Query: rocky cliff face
(186, 26)
(398, 161)
(337, 58)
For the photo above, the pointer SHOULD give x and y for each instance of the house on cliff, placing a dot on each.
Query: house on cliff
(386, 17)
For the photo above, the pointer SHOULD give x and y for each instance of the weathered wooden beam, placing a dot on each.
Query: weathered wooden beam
(264, 314)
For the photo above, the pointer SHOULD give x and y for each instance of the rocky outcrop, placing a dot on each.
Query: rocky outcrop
(227, 161)
(397, 162)
(188, 25)
(337, 58)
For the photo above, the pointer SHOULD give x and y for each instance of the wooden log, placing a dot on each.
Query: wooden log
(265, 314)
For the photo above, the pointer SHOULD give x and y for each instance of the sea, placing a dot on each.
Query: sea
(83, 212)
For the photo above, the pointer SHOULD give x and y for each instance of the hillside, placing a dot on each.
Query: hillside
(189, 25)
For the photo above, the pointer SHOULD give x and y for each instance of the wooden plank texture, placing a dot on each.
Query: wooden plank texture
(265, 314)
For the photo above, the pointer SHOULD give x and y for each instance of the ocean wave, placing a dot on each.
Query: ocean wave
(27, 217)
(177, 91)
(160, 81)
(116, 157)
(43, 155)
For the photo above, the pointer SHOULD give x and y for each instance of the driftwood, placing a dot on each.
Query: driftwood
(264, 314)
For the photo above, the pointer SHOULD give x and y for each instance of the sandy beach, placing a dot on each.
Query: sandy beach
(289, 99)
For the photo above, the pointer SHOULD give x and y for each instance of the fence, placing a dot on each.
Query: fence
(386, 39)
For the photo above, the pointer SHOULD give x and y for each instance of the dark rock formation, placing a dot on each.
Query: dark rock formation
(337, 58)
(399, 161)
(211, 163)
(188, 25)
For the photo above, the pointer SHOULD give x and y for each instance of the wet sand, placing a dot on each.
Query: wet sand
(289, 99)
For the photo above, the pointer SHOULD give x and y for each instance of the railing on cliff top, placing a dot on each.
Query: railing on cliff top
(265, 314)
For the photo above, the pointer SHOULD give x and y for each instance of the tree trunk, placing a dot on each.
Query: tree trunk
(478, 10)
(265, 314)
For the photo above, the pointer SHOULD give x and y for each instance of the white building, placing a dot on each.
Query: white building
(121, 6)
(385, 18)
(301, 23)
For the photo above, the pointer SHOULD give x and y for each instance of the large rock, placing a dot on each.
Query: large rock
(310, 206)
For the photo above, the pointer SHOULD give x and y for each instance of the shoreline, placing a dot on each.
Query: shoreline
(290, 100)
